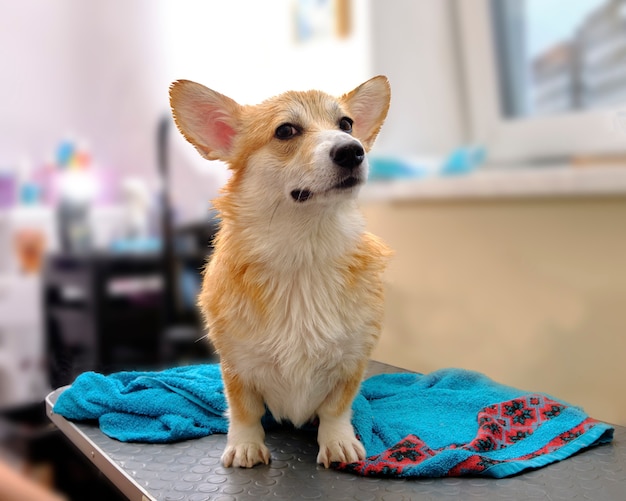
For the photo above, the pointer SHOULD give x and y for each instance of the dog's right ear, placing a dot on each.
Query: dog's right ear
(206, 118)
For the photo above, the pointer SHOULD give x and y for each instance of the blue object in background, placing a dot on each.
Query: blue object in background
(463, 160)
(64, 153)
(136, 245)
(386, 168)
(30, 193)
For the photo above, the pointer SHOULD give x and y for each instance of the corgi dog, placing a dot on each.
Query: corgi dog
(292, 295)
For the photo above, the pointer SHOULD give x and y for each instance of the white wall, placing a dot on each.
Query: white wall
(81, 69)
(413, 43)
(248, 49)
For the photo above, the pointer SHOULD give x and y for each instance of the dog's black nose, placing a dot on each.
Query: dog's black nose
(348, 155)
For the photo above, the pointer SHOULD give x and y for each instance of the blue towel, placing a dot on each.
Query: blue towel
(155, 407)
(451, 422)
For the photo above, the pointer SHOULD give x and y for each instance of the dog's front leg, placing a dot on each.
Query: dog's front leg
(335, 435)
(245, 445)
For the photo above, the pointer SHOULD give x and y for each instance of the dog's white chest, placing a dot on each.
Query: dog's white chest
(312, 342)
(295, 395)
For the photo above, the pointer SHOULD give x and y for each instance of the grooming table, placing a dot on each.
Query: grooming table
(191, 471)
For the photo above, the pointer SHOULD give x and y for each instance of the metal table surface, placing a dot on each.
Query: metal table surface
(191, 471)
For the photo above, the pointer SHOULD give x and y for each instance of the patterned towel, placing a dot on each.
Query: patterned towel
(456, 422)
(451, 422)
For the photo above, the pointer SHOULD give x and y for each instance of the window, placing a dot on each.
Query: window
(545, 79)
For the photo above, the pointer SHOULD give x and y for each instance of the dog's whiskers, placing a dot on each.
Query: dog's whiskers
(206, 336)
(273, 212)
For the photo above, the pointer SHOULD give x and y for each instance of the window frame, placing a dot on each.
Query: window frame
(540, 138)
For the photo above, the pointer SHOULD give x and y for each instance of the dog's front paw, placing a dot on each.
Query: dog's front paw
(246, 455)
(345, 450)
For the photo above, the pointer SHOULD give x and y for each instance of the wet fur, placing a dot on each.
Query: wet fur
(293, 294)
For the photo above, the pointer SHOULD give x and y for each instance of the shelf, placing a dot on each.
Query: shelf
(490, 183)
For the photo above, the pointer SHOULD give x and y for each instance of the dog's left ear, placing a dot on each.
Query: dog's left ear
(368, 104)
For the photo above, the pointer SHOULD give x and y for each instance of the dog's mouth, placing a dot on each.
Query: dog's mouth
(302, 195)
(349, 182)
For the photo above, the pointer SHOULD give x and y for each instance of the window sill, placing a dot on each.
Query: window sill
(522, 182)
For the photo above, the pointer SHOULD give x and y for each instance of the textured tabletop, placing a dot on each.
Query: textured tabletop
(191, 471)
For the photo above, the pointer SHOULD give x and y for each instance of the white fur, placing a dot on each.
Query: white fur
(337, 441)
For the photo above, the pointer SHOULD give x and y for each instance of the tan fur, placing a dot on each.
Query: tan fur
(293, 294)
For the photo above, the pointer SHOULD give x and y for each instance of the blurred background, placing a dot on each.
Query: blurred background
(499, 179)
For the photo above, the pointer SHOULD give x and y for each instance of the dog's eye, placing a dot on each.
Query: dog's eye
(286, 131)
(345, 124)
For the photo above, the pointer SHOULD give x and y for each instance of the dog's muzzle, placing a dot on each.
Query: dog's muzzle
(348, 158)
